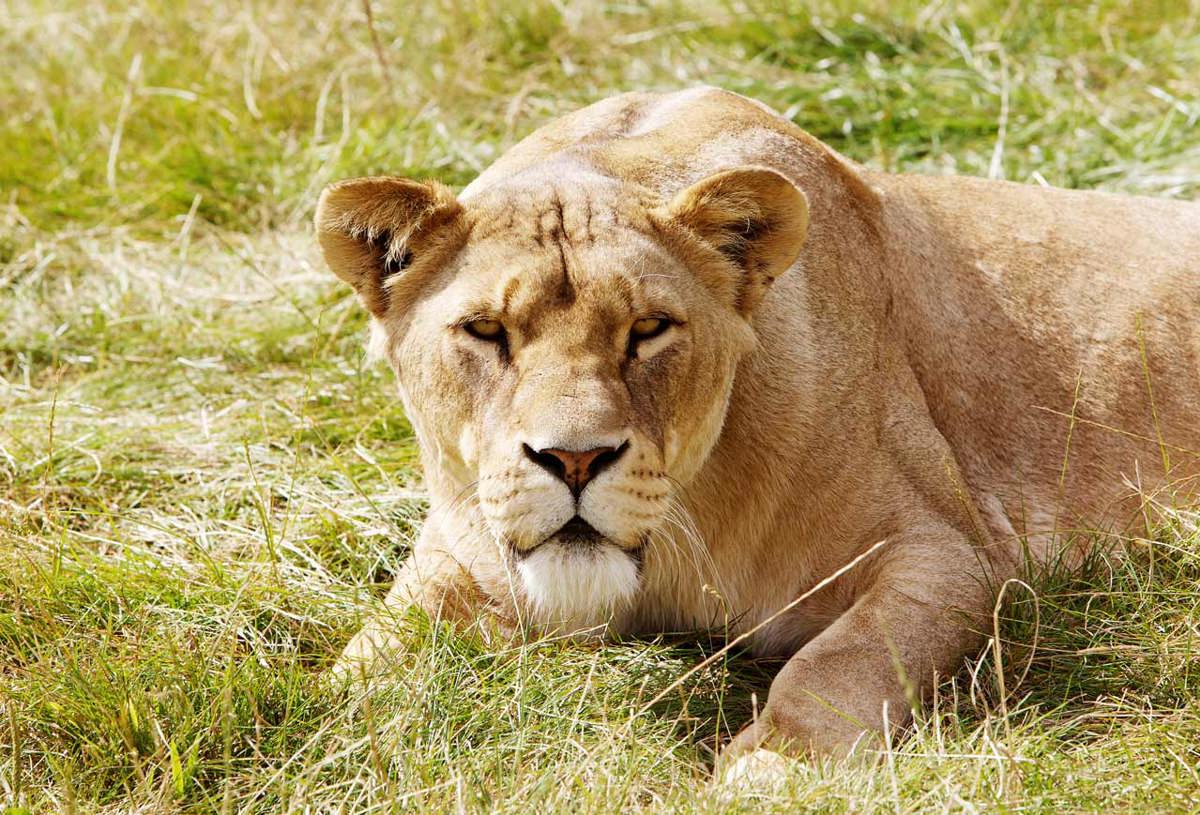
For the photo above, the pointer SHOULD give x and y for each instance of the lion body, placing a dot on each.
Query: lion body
(969, 371)
(1004, 337)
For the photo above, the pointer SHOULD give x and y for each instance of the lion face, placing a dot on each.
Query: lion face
(574, 378)
(565, 353)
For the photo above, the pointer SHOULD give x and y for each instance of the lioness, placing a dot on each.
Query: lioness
(672, 362)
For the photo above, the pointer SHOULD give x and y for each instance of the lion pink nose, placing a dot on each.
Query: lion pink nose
(575, 468)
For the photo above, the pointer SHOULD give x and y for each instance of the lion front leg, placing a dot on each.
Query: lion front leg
(378, 637)
(434, 582)
(916, 619)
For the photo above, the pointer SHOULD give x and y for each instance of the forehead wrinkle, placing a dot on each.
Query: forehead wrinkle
(535, 201)
(589, 239)
(567, 287)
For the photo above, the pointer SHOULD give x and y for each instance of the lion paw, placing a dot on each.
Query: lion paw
(759, 769)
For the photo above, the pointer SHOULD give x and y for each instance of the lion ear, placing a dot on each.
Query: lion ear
(754, 217)
(372, 229)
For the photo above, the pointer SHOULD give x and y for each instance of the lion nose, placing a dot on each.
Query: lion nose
(575, 468)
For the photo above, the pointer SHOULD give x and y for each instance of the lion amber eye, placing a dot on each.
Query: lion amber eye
(485, 329)
(648, 327)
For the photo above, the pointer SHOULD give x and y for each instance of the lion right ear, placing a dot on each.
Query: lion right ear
(372, 229)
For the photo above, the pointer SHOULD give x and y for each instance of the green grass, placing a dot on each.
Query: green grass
(203, 482)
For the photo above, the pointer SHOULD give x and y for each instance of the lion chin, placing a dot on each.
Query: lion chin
(575, 586)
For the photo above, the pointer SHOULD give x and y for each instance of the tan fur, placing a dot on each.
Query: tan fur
(955, 366)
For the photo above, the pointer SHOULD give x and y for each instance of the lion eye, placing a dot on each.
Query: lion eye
(648, 328)
(485, 329)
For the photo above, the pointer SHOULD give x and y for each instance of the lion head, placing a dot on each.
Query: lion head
(566, 345)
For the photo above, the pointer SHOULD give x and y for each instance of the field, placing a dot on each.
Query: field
(204, 482)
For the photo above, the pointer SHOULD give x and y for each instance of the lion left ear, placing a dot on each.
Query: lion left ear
(372, 229)
(755, 217)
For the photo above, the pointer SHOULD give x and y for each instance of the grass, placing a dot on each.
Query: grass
(203, 482)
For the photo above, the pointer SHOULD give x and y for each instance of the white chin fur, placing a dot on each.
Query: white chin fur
(576, 590)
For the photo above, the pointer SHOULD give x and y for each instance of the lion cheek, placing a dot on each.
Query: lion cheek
(685, 452)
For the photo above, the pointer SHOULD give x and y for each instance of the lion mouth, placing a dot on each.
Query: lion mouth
(577, 532)
(580, 536)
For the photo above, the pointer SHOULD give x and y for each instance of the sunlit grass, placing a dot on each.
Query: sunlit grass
(203, 482)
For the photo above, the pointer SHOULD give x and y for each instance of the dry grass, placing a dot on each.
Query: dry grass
(202, 481)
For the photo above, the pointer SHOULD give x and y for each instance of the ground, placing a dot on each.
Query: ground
(204, 482)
